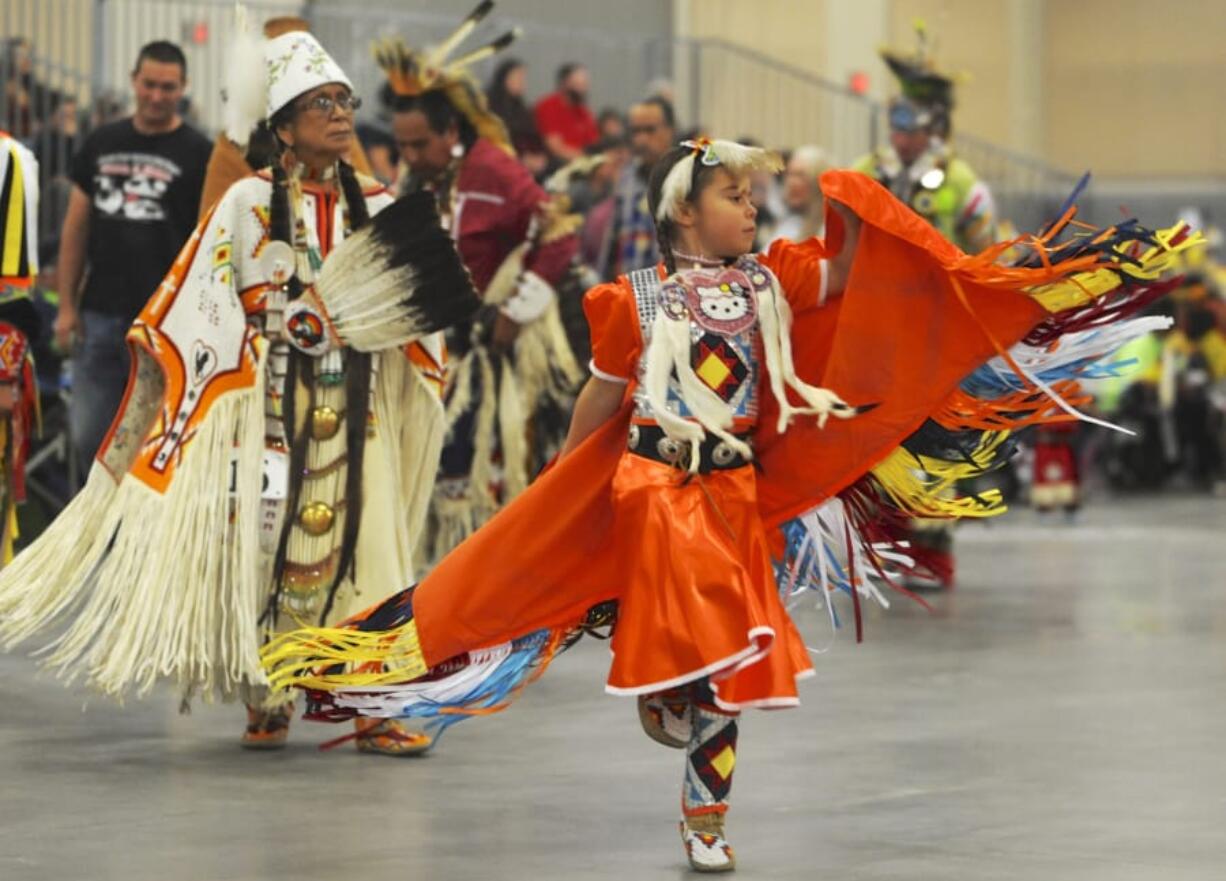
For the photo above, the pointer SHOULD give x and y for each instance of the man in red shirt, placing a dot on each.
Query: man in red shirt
(563, 119)
(511, 371)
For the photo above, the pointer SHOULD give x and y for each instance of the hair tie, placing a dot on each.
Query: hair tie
(704, 150)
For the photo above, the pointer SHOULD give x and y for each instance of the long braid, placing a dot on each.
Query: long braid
(357, 406)
(298, 370)
(351, 187)
(655, 186)
(664, 239)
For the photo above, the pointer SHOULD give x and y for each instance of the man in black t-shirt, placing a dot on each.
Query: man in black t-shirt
(134, 202)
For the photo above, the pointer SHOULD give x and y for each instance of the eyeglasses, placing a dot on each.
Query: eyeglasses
(325, 104)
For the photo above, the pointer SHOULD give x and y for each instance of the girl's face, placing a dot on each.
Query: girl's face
(724, 215)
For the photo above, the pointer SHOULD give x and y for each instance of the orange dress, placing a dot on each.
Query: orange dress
(689, 560)
(601, 525)
(697, 594)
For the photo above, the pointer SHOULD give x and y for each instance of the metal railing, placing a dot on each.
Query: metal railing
(737, 91)
(83, 50)
(1028, 192)
(741, 92)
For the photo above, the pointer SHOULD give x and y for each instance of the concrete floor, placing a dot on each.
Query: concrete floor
(1060, 716)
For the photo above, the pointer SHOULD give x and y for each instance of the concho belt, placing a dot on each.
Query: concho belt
(650, 442)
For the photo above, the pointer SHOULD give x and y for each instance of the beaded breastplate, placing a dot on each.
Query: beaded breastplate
(720, 305)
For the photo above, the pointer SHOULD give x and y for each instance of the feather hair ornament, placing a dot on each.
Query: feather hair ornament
(736, 158)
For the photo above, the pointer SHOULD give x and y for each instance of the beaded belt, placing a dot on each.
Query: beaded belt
(650, 442)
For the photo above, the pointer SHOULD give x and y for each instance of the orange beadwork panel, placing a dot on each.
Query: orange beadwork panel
(173, 365)
(254, 298)
(165, 437)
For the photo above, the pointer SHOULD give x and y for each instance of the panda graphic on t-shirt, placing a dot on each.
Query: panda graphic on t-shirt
(132, 185)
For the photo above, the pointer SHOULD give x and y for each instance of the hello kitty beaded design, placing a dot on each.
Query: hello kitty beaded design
(721, 306)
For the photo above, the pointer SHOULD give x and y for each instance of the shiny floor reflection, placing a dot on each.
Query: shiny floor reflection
(1060, 715)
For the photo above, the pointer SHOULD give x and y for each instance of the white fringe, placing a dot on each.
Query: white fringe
(667, 338)
(1071, 348)
(1082, 345)
(414, 402)
(512, 432)
(178, 592)
(451, 520)
(410, 420)
(504, 281)
(775, 318)
(483, 476)
(826, 529)
(544, 362)
(393, 701)
(45, 580)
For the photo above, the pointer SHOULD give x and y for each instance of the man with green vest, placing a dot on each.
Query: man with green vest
(918, 165)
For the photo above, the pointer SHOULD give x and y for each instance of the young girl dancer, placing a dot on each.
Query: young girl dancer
(699, 456)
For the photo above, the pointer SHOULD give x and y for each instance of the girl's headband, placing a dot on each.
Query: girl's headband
(707, 153)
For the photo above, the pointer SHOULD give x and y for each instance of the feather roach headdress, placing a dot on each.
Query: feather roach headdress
(412, 72)
(917, 75)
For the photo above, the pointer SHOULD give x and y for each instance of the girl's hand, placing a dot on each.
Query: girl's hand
(839, 266)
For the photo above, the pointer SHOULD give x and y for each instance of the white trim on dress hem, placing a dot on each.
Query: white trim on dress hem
(734, 661)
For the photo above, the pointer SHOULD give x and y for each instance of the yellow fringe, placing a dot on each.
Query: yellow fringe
(917, 484)
(11, 534)
(1084, 287)
(299, 659)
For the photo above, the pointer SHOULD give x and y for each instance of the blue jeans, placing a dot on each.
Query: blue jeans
(99, 378)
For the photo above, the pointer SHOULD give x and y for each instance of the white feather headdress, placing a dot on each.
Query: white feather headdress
(265, 71)
(244, 94)
(737, 158)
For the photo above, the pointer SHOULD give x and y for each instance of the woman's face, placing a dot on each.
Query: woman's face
(517, 81)
(317, 130)
(724, 215)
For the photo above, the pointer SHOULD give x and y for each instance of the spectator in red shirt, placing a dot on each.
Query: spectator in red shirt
(563, 119)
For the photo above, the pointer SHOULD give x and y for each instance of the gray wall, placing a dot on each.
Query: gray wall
(1157, 202)
(624, 43)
